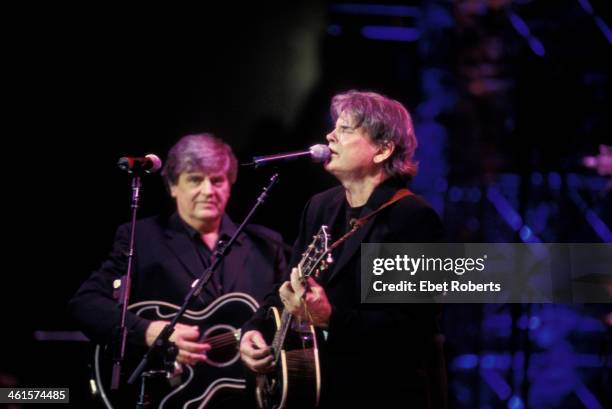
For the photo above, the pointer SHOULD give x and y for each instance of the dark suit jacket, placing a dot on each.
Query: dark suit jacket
(166, 263)
(375, 355)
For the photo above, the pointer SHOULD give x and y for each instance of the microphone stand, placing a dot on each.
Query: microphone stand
(162, 341)
(126, 284)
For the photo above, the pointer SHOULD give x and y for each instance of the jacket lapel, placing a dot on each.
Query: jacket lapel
(183, 248)
(352, 245)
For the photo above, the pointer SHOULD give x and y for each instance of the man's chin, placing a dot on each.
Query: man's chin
(208, 215)
(330, 168)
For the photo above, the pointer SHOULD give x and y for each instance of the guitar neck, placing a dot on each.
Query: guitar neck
(312, 262)
(281, 333)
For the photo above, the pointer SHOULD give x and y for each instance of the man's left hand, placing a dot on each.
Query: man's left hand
(311, 305)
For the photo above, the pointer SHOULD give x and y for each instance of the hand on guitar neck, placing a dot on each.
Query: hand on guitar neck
(185, 337)
(306, 302)
(288, 372)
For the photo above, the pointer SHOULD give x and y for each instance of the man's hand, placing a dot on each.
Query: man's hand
(255, 353)
(185, 337)
(313, 307)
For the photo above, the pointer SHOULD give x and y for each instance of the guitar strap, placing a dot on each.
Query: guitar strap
(356, 224)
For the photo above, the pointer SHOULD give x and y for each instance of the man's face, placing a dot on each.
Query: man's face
(201, 197)
(352, 149)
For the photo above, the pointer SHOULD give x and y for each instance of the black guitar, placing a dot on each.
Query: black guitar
(221, 377)
(296, 381)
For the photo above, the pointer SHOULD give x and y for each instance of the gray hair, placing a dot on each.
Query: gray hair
(385, 120)
(199, 153)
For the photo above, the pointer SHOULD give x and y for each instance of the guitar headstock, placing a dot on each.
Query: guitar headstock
(317, 256)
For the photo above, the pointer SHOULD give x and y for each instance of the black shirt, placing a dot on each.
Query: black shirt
(205, 254)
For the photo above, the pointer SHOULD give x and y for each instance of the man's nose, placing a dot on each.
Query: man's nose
(206, 187)
(331, 137)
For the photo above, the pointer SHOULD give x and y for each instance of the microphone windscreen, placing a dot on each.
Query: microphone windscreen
(320, 153)
(156, 163)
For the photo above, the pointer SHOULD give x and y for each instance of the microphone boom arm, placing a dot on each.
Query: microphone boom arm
(259, 161)
(318, 153)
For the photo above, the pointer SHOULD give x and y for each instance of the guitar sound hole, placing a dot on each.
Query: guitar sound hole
(223, 343)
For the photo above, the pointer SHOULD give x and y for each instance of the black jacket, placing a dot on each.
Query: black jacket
(166, 262)
(384, 355)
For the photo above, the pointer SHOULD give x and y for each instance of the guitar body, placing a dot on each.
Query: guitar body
(296, 380)
(220, 378)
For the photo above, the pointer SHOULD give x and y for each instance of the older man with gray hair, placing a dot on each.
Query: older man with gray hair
(171, 252)
(372, 355)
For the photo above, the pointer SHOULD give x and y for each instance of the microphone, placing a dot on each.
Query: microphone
(149, 164)
(318, 153)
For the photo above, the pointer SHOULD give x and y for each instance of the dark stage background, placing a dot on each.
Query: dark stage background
(508, 97)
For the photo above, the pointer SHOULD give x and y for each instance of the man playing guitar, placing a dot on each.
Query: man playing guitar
(371, 355)
(171, 252)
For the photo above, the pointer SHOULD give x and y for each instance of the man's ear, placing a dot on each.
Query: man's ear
(384, 151)
(173, 191)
